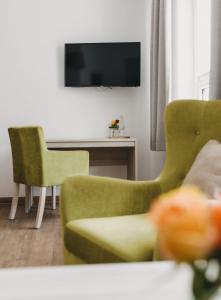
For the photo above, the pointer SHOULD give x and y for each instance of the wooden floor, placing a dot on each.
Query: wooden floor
(21, 245)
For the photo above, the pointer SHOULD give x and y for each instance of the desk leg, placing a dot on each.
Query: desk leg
(132, 164)
(30, 197)
(27, 198)
(53, 189)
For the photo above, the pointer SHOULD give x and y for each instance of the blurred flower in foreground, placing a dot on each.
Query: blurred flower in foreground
(189, 230)
(185, 224)
(216, 219)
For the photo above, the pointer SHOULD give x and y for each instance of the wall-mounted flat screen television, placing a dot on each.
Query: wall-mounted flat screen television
(102, 64)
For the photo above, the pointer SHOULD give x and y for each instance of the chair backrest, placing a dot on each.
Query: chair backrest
(28, 148)
(189, 125)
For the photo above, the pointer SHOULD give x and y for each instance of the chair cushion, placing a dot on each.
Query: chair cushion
(113, 239)
(206, 170)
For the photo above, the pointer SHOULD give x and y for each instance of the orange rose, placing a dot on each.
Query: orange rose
(216, 219)
(183, 221)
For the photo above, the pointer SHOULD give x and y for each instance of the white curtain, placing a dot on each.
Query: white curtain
(215, 71)
(160, 70)
(172, 60)
(183, 85)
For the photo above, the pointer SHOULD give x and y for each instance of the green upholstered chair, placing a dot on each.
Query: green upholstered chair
(104, 219)
(35, 165)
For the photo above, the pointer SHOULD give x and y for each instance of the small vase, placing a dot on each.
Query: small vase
(113, 133)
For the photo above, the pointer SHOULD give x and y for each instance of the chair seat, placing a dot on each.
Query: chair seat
(113, 239)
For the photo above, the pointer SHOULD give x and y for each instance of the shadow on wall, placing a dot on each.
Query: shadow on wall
(7, 172)
(60, 66)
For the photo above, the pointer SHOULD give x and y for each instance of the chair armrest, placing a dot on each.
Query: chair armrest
(62, 164)
(92, 196)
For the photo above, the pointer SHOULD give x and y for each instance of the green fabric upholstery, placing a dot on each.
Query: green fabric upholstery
(189, 124)
(35, 165)
(111, 239)
(94, 197)
(98, 197)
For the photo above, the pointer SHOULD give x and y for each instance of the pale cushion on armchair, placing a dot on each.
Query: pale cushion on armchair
(206, 169)
(113, 239)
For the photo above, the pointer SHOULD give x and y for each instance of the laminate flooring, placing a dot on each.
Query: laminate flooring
(23, 246)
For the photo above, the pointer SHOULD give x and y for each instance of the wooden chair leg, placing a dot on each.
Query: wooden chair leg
(41, 207)
(53, 189)
(14, 201)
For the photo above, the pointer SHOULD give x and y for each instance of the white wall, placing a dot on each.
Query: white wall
(32, 35)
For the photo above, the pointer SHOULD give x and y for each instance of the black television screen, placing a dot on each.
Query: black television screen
(102, 64)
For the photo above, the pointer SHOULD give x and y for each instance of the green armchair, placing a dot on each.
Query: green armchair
(104, 220)
(35, 165)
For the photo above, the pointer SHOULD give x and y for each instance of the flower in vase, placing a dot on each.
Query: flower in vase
(114, 124)
(216, 219)
(183, 222)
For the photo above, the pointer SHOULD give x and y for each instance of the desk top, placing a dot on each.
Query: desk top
(97, 140)
(132, 281)
(91, 143)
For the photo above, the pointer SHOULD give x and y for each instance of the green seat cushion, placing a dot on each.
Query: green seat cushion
(111, 239)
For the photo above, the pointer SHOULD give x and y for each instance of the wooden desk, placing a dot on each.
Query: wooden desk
(104, 152)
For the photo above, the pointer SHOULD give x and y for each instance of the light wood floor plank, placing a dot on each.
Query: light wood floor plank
(22, 246)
